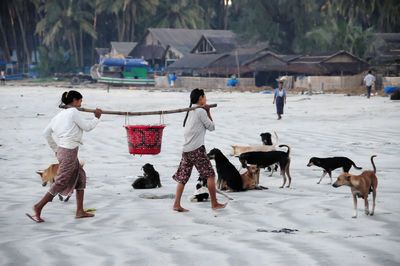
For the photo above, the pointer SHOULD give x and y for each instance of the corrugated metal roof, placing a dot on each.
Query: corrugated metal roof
(184, 40)
(123, 47)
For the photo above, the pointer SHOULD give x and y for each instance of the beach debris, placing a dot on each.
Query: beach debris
(283, 230)
(154, 196)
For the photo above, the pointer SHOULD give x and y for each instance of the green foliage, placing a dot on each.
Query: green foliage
(57, 62)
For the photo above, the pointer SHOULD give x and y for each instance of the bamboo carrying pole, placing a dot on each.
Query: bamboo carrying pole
(139, 113)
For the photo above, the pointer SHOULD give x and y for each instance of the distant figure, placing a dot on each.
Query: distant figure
(172, 80)
(3, 77)
(233, 81)
(280, 99)
(368, 81)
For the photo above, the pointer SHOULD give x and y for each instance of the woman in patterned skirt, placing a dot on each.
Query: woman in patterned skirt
(68, 127)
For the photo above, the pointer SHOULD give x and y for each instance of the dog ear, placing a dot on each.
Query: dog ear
(39, 173)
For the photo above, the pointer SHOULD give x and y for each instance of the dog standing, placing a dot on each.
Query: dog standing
(265, 159)
(330, 164)
(150, 178)
(226, 171)
(361, 186)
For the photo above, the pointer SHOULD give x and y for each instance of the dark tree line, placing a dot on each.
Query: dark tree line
(69, 30)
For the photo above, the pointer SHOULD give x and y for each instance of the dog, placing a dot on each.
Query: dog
(361, 186)
(226, 171)
(48, 176)
(265, 159)
(150, 178)
(250, 177)
(330, 164)
(265, 138)
(202, 194)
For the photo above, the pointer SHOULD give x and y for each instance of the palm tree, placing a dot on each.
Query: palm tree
(63, 19)
(179, 14)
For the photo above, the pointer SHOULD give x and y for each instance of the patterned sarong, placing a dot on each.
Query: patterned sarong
(199, 159)
(70, 174)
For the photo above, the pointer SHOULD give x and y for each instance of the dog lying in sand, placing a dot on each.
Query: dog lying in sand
(48, 176)
(265, 138)
(361, 186)
(150, 178)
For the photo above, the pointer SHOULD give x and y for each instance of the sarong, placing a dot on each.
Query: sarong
(199, 159)
(279, 105)
(70, 174)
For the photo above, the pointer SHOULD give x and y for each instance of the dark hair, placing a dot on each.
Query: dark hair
(369, 71)
(69, 96)
(194, 98)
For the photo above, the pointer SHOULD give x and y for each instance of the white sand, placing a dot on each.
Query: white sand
(129, 230)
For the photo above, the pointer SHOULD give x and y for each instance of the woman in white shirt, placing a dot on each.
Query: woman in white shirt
(68, 127)
(194, 153)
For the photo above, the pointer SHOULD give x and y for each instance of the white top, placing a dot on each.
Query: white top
(68, 127)
(195, 129)
(3, 74)
(369, 80)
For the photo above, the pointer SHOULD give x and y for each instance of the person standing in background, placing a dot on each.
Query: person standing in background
(369, 80)
(3, 77)
(280, 99)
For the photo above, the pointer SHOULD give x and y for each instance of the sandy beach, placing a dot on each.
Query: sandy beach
(130, 229)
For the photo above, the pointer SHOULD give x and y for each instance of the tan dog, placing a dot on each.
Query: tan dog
(49, 174)
(237, 150)
(361, 186)
(249, 178)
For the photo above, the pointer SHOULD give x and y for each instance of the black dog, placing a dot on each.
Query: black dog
(266, 138)
(226, 171)
(150, 178)
(265, 159)
(330, 164)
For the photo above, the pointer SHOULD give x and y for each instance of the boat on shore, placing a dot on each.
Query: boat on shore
(122, 72)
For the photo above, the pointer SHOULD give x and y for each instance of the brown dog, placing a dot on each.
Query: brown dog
(48, 174)
(361, 186)
(249, 178)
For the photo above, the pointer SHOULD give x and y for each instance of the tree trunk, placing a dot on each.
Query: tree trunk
(81, 46)
(93, 40)
(75, 50)
(118, 24)
(5, 42)
(23, 35)
(121, 37)
(15, 38)
(132, 39)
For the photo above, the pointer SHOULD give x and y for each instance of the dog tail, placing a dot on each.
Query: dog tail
(355, 166)
(288, 148)
(277, 139)
(372, 161)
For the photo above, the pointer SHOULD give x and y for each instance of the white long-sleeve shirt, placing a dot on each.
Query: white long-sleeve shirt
(68, 127)
(195, 129)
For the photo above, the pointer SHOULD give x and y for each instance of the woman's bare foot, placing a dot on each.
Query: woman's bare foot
(37, 212)
(83, 214)
(219, 206)
(179, 209)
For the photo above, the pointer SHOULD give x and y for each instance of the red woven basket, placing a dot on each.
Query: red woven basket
(144, 139)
